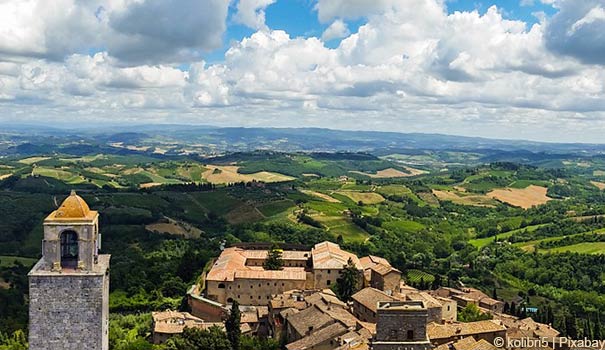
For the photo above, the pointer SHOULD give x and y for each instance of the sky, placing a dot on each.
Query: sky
(513, 69)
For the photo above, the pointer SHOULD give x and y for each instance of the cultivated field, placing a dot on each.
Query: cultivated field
(176, 228)
(323, 196)
(224, 174)
(582, 248)
(524, 198)
(33, 160)
(392, 173)
(464, 199)
(365, 197)
(599, 185)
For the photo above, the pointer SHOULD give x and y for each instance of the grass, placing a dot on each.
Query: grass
(482, 242)
(416, 276)
(365, 197)
(276, 207)
(32, 160)
(8, 261)
(217, 202)
(404, 225)
(340, 225)
(581, 248)
(394, 190)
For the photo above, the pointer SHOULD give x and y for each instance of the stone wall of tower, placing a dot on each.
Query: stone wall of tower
(69, 311)
(399, 327)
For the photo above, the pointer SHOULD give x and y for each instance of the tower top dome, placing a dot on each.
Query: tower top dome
(73, 208)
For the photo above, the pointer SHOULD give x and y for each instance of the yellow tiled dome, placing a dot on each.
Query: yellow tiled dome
(73, 207)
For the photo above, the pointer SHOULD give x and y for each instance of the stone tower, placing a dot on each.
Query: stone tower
(69, 286)
(401, 325)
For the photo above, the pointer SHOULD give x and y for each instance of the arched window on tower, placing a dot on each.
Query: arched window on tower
(69, 249)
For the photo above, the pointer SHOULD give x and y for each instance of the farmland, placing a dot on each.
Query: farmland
(525, 198)
(162, 212)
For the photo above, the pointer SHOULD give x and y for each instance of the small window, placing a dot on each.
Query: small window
(410, 334)
(329, 282)
(221, 285)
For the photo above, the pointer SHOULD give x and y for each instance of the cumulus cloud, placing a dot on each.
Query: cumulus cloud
(135, 31)
(337, 30)
(251, 13)
(480, 72)
(330, 9)
(578, 30)
(167, 30)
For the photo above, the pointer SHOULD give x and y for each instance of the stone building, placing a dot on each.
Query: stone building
(69, 286)
(168, 323)
(365, 303)
(401, 325)
(238, 273)
(379, 274)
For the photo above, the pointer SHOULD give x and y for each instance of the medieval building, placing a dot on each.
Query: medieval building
(69, 286)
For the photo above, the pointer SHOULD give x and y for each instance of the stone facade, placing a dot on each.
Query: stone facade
(401, 325)
(69, 311)
(69, 286)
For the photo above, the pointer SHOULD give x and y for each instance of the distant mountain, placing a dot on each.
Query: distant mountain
(209, 139)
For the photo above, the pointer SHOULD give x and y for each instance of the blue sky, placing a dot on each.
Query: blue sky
(299, 19)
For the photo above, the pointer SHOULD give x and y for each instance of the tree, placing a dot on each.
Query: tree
(232, 325)
(16, 341)
(274, 259)
(348, 282)
(471, 313)
(194, 339)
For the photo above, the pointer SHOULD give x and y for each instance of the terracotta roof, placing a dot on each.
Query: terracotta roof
(328, 255)
(444, 331)
(490, 301)
(286, 254)
(467, 343)
(73, 208)
(231, 264)
(354, 340)
(311, 318)
(317, 337)
(291, 273)
(173, 322)
(369, 297)
(529, 325)
(326, 297)
(429, 300)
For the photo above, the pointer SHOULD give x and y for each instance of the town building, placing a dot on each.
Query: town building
(487, 330)
(401, 325)
(466, 296)
(365, 303)
(238, 273)
(69, 286)
(379, 274)
(170, 323)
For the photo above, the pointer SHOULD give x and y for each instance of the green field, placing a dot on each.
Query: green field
(582, 248)
(417, 276)
(7, 261)
(482, 242)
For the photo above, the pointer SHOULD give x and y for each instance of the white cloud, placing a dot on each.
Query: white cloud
(337, 30)
(135, 31)
(251, 13)
(463, 72)
(578, 30)
(330, 9)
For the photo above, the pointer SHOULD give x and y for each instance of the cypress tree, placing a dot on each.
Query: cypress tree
(232, 326)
